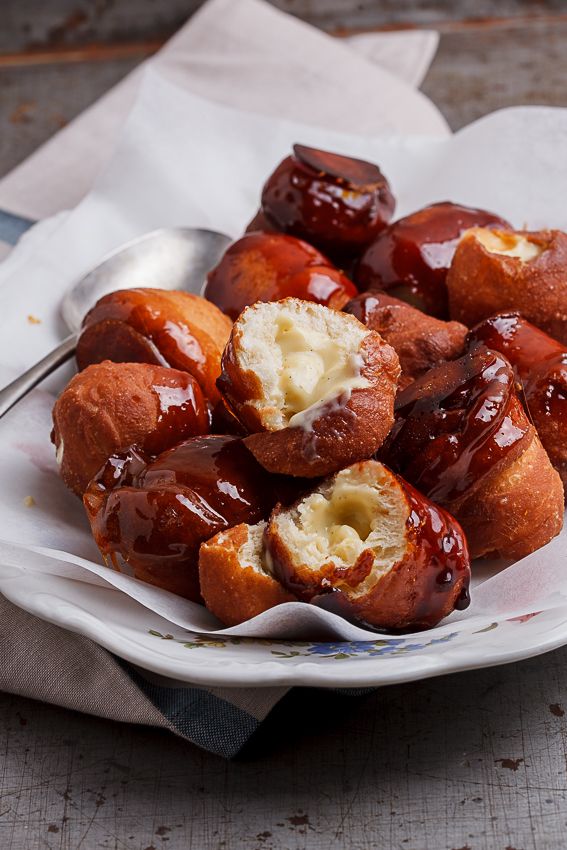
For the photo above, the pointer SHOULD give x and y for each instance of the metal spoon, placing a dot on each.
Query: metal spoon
(170, 258)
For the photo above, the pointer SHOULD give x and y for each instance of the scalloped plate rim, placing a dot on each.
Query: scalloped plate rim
(263, 673)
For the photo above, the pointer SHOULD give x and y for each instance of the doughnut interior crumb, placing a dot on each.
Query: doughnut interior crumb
(304, 355)
(360, 509)
(508, 244)
(250, 553)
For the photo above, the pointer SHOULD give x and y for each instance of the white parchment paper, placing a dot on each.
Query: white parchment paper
(186, 161)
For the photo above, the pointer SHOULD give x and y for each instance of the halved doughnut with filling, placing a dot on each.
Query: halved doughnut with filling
(315, 387)
(367, 545)
(235, 582)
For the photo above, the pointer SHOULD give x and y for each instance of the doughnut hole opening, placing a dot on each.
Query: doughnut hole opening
(361, 509)
(508, 244)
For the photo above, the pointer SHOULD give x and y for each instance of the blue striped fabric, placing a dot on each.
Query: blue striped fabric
(12, 227)
(208, 721)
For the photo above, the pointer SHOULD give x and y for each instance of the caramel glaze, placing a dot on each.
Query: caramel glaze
(154, 515)
(412, 256)
(335, 202)
(182, 410)
(272, 266)
(540, 364)
(436, 557)
(455, 424)
(223, 421)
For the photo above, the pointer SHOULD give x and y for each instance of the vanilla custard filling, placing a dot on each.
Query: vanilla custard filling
(509, 245)
(346, 517)
(315, 370)
(306, 357)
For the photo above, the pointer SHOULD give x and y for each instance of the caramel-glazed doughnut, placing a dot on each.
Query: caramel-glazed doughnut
(112, 406)
(540, 364)
(461, 437)
(419, 340)
(166, 328)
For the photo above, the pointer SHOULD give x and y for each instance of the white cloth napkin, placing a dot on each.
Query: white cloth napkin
(251, 56)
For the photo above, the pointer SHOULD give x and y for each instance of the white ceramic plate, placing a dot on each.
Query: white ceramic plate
(140, 636)
(507, 162)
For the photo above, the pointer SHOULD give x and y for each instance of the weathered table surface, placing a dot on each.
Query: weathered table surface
(469, 762)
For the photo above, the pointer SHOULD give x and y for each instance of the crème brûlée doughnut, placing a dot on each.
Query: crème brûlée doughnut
(111, 406)
(314, 387)
(499, 270)
(419, 340)
(163, 327)
(271, 266)
(335, 202)
(363, 544)
(462, 437)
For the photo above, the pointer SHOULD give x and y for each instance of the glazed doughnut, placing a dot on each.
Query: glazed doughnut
(272, 266)
(462, 438)
(314, 387)
(497, 271)
(411, 257)
(420, 341)
(166, 328)
(540, 364)
(337, 203)
(108, 407)
(366, 545)
(153, 516)
(235, 583)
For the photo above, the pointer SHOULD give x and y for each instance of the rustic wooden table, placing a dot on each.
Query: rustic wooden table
(470, 762)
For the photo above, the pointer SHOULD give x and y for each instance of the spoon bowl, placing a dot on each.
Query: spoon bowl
(168, 258)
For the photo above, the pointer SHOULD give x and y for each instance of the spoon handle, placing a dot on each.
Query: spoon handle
(26, 382)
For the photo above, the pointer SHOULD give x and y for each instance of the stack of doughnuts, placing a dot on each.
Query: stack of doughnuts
(352, 411)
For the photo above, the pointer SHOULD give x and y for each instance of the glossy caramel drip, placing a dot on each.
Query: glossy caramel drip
(182, 410)
(455, 424)
(338, 203)
(540, 365)
(412, 256)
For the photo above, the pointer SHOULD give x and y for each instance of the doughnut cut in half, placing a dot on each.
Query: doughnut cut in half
(314, 387)
(235, 582)
(366, 545)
